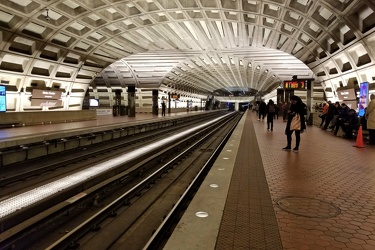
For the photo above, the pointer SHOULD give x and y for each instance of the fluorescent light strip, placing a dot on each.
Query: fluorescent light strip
(205, 28)
(190, 28)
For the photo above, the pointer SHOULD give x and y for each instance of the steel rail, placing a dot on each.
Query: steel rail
(70, 240)
(170, 219)
(19, 176)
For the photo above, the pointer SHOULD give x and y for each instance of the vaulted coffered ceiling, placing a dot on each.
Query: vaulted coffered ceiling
(197, 47)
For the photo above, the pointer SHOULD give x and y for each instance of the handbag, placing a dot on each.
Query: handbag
(295, 123)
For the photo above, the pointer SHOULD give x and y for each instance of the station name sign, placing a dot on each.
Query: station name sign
(46, 98)
(46, 94)
(295, 84)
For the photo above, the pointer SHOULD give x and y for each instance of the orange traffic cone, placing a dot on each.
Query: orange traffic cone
(359, 141)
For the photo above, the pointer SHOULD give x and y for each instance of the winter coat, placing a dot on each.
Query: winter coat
(262, 108)
(370, 114)
(268, 111)
(298, 108)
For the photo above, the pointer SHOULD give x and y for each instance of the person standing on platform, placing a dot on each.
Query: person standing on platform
(163, 106)
(296, 110)
(262, 110)
(285, 108)
(270, 110)
(329, 115)
(370, 116)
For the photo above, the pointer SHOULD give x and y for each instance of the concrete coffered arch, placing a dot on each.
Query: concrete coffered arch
(195, 46)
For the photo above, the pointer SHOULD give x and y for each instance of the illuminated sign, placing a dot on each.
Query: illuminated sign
(296, 84)
(3, 101)
(175, 96)
(94, 102)
(363, 98)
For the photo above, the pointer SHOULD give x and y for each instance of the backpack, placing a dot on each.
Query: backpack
(271, 108)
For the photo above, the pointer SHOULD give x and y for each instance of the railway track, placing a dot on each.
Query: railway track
(21, 172)
(117, 201)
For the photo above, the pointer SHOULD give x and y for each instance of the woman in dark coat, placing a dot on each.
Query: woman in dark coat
(296, 107)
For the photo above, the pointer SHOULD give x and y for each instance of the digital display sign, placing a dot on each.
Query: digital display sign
(175, 96)
(94, 103)
(363, 98)
(295, 84)
(3, 100)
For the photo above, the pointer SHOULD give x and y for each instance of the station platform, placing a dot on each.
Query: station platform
(258, 196)
(29, 142)
(102, 122)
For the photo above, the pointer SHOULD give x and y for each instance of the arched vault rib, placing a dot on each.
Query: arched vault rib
(334, 38)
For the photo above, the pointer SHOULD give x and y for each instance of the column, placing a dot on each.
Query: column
(280, 96)
(169, 103)
(155, 103)
(131, 101)
(288, 94)
(309, 102)
(236, 106)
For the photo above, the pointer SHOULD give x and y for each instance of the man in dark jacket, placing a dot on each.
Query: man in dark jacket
(343, 116)
(350, 123)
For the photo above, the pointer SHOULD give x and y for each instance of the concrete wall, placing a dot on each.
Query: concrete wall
(45, 117)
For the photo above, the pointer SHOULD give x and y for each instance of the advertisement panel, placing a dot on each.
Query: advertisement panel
(363, 98)
(3, 101)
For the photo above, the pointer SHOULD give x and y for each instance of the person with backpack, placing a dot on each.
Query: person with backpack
(270, 110)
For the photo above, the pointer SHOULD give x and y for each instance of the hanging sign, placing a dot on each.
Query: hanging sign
(295, 84)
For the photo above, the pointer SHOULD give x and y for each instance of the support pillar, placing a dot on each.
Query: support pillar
(155, 103)
(169, 103)
(131, 101)
(280, 96)
(117, 105)
(288, 94)
(309, 102)
(236, 106)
